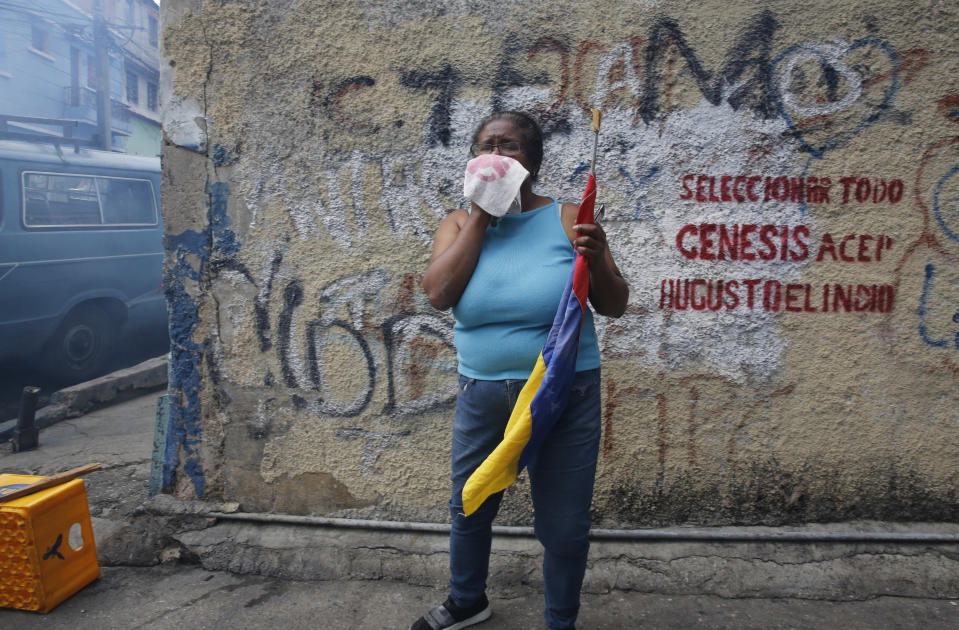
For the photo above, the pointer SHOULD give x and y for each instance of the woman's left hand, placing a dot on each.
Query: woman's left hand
(590, 241)
(608, 291)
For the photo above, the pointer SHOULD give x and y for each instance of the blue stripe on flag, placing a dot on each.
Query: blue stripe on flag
(559, 356)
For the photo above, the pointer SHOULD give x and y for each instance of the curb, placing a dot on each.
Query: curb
(76, 400)
(861, 560)
(721, 568)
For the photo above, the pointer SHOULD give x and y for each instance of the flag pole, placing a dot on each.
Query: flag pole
(597, 119)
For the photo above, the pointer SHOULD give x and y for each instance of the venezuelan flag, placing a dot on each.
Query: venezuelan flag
(544, 396)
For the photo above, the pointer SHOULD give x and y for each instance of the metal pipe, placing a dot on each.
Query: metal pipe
(26, 437)
(667, 535)
(597, 120)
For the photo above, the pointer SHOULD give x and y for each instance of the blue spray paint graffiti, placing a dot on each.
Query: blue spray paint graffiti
(184, 428)
(830, 74)
(842, 135)
(224, 244)
(223, 156)
(937, 210)
(923, 312)
(583, 166)
(637, 186)
(216, 242)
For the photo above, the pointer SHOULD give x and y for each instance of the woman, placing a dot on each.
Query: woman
(504, 285)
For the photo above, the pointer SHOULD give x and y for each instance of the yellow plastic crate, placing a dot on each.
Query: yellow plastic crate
(47, 551)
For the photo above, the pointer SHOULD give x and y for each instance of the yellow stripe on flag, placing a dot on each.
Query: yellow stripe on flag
(499, 470)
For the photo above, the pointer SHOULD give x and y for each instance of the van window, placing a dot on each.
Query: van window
(126, 201)
(58, 200)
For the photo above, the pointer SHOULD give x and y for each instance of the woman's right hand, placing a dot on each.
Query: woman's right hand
(456, 249)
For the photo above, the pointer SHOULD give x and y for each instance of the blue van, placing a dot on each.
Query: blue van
(81, 255)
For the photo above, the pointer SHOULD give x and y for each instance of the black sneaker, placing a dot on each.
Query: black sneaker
(449, 616)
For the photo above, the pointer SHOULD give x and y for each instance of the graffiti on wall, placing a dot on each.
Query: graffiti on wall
(413, 343)
(937, 247)
(216, 242)
(398, 354)
(352, 327)
(765, 113)
(718, 193)
(768, 243)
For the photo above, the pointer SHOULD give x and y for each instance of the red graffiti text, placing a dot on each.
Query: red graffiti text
(711, 241)
(866, 190)
(853, 247)
(764, 189)
(701, 294)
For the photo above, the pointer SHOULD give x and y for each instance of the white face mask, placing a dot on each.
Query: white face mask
(493, 183)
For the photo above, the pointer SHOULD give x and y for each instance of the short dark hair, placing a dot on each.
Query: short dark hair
(532, 134)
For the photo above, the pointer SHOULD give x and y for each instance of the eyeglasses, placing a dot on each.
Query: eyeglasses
(505, 148)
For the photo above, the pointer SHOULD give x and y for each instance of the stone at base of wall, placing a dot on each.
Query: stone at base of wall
(830, 571)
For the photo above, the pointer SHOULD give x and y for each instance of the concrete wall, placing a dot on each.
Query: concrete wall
(782, 195)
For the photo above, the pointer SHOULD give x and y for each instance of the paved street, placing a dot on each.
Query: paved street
(177, 596)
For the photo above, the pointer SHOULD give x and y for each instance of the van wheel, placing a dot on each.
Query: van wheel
(82, 346)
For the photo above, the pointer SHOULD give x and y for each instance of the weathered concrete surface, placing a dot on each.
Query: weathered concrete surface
(131, 382)
(807, 571)
(171, 598)
(781, 189)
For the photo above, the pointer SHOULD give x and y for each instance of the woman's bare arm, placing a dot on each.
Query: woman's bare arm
(456, 248)
(608, 291)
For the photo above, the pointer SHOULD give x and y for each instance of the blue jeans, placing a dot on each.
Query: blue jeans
(561, 483)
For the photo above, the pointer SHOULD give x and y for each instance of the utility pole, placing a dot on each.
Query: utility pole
(101, 38)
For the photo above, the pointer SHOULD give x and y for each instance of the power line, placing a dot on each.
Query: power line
(71, 26)
(27, 10)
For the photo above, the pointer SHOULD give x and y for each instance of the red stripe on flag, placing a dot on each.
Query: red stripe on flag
(585, 215)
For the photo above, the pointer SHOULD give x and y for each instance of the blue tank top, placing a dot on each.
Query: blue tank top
(508, 306)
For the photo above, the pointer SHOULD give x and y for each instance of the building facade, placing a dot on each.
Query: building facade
(48, 68)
